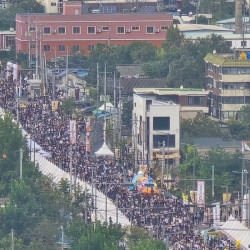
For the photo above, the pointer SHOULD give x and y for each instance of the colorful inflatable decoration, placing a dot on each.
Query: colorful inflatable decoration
(144, 184)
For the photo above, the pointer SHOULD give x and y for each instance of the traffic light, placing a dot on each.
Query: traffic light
(4, 156)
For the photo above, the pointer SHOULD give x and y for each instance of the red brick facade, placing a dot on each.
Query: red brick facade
(59, 33)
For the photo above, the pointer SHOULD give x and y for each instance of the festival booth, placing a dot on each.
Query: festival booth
(104, 151)
(110, 110)
(237, 232)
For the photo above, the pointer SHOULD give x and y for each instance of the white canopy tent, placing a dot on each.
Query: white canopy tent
(33, 145)
(104, 151)
(109, 106)
(44, 153)
(236, 231)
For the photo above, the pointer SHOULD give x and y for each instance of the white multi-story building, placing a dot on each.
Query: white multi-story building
(155, 123)
(52, 6)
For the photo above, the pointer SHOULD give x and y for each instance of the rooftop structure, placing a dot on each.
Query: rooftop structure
(191, 101)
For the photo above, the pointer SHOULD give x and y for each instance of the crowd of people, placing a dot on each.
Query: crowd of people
(163, 216)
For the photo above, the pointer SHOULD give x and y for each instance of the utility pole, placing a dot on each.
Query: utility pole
(86, 205)
(213, 181)
(106, 205)
(17, 113)
(29, 38)
(53, 87)
(62, 237)
(41, 64)
(119, 113)
(37, 76)
(194, 175)
(67, 68)
(105, 97)
(12, 239)
(21, 163)
(115, 114)
(135, 142)
(242, 186)
(168, 157)
(70, 169)
(95, 203)
(167, 242)
(34, 151)
(116, 201)
(97, 87)
(163, 163)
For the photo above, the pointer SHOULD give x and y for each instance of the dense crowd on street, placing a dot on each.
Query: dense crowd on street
(163, 216)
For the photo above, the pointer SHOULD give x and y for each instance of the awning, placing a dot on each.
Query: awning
(237, 231)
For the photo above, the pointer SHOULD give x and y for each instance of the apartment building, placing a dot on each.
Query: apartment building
(52, 6)
(228, 80)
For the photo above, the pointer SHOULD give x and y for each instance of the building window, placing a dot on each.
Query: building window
(164, 27)
(53, 4)
(135, 28)
(105, 28)
(61, 30)
(233, 100)
(76, 30)
(32, 29)
(91, 47)
(161, 123)
(120, 30)
(46, 30)
(9, 41)
(91, 30)
(32, 45)
(229, 43)
(76, 12)
(76, 48)
(243, 43)
(46, 47)
(159, 139)
(61, 47)
(148, 103)
(195, 100)
(150, 30)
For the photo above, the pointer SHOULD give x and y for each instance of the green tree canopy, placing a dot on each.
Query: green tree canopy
(95, 237)
(240, 125)
(200, 126)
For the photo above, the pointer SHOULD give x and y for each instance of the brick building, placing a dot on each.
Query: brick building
(57, 33)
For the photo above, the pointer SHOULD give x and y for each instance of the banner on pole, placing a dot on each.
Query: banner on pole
(216, 214)
(72, 131)
(200, 193)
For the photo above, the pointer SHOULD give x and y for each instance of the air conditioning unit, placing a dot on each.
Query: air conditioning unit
(128, 30)
(157, 30)
(98, 31)
(53, 31)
